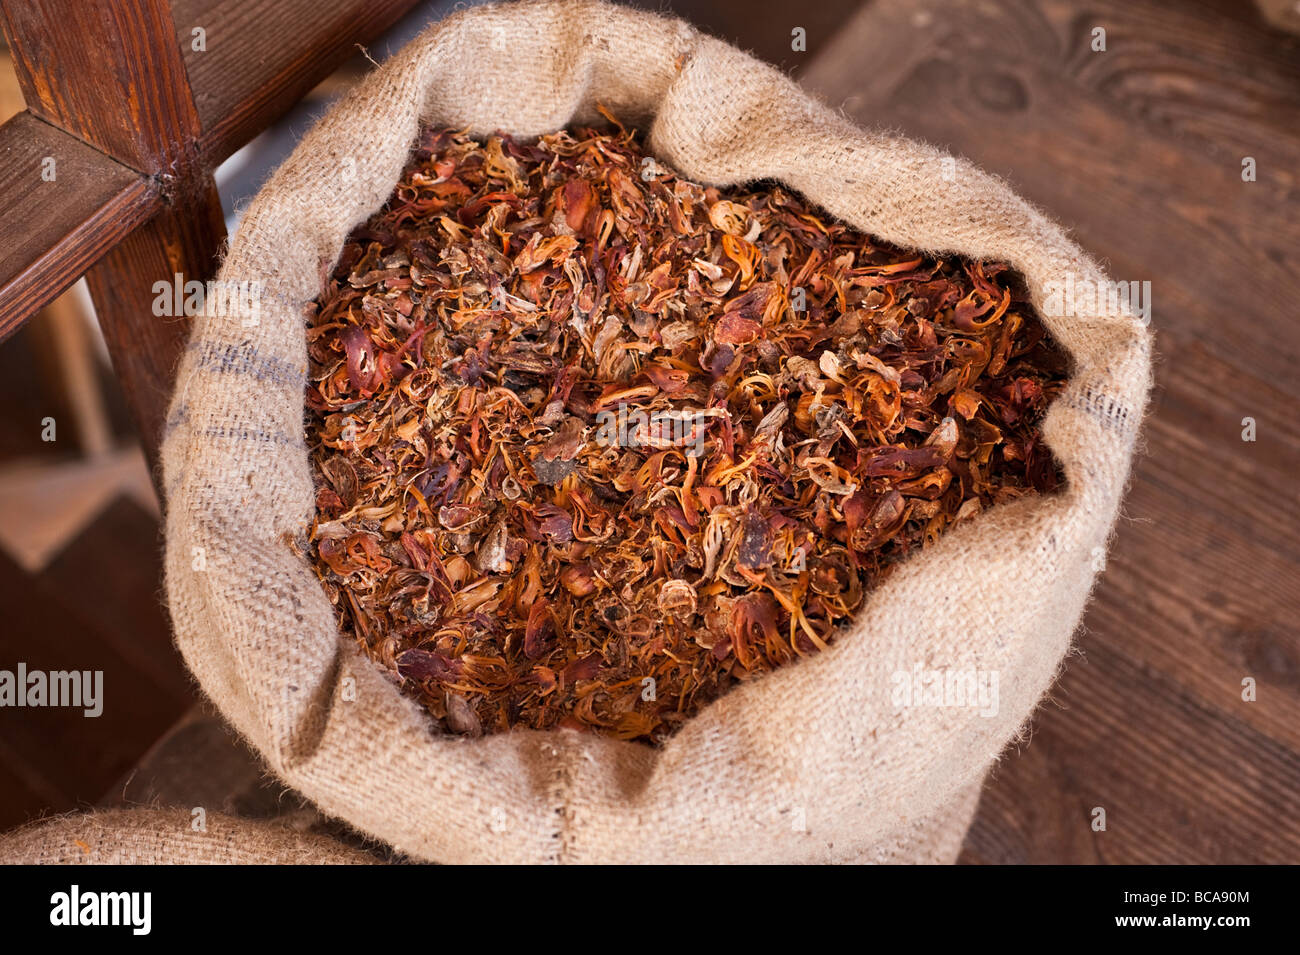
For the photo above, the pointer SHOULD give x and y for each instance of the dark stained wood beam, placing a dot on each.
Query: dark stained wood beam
(262, 56)
(111, 73)
(53, 230)
(121, 146)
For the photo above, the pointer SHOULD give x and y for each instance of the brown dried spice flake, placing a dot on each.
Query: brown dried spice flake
(592, 442)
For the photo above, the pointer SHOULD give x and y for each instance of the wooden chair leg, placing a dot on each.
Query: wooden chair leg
(185, 240)
(111, 72)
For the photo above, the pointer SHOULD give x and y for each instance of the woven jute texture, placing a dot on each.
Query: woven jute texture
(168, 837)
(813, 762)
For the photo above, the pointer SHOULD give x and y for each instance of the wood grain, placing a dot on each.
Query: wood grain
(52, 231)
(263, 56)
(1138, 149)
(97, 602)
(109, 72)
(185, 239)
(765, 28)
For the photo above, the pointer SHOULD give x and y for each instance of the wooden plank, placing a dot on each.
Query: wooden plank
(1138, 150)
(109, 72)
(1210, 75)
(1124, 183)
(52, 231)
(260, 57)
(1224, 794)
(102, 589)
(130, 97)
(124, 596)
(185, 240)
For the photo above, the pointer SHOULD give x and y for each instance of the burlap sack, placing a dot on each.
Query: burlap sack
(813, 762)
(167, 837)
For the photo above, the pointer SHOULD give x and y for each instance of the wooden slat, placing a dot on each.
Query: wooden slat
(131, 98)
(108, 72)
(263, 56)
(182, 240)
(51, 232)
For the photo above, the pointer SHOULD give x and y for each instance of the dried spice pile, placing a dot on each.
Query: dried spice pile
(592, 442)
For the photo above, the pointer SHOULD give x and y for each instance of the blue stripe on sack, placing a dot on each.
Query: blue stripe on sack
(251, 434)
(243, 359)
(1109, 411)
(178, 415)
(181, 415)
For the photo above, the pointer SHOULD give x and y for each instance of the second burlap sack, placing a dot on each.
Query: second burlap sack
(150, 836)
(813, 762)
